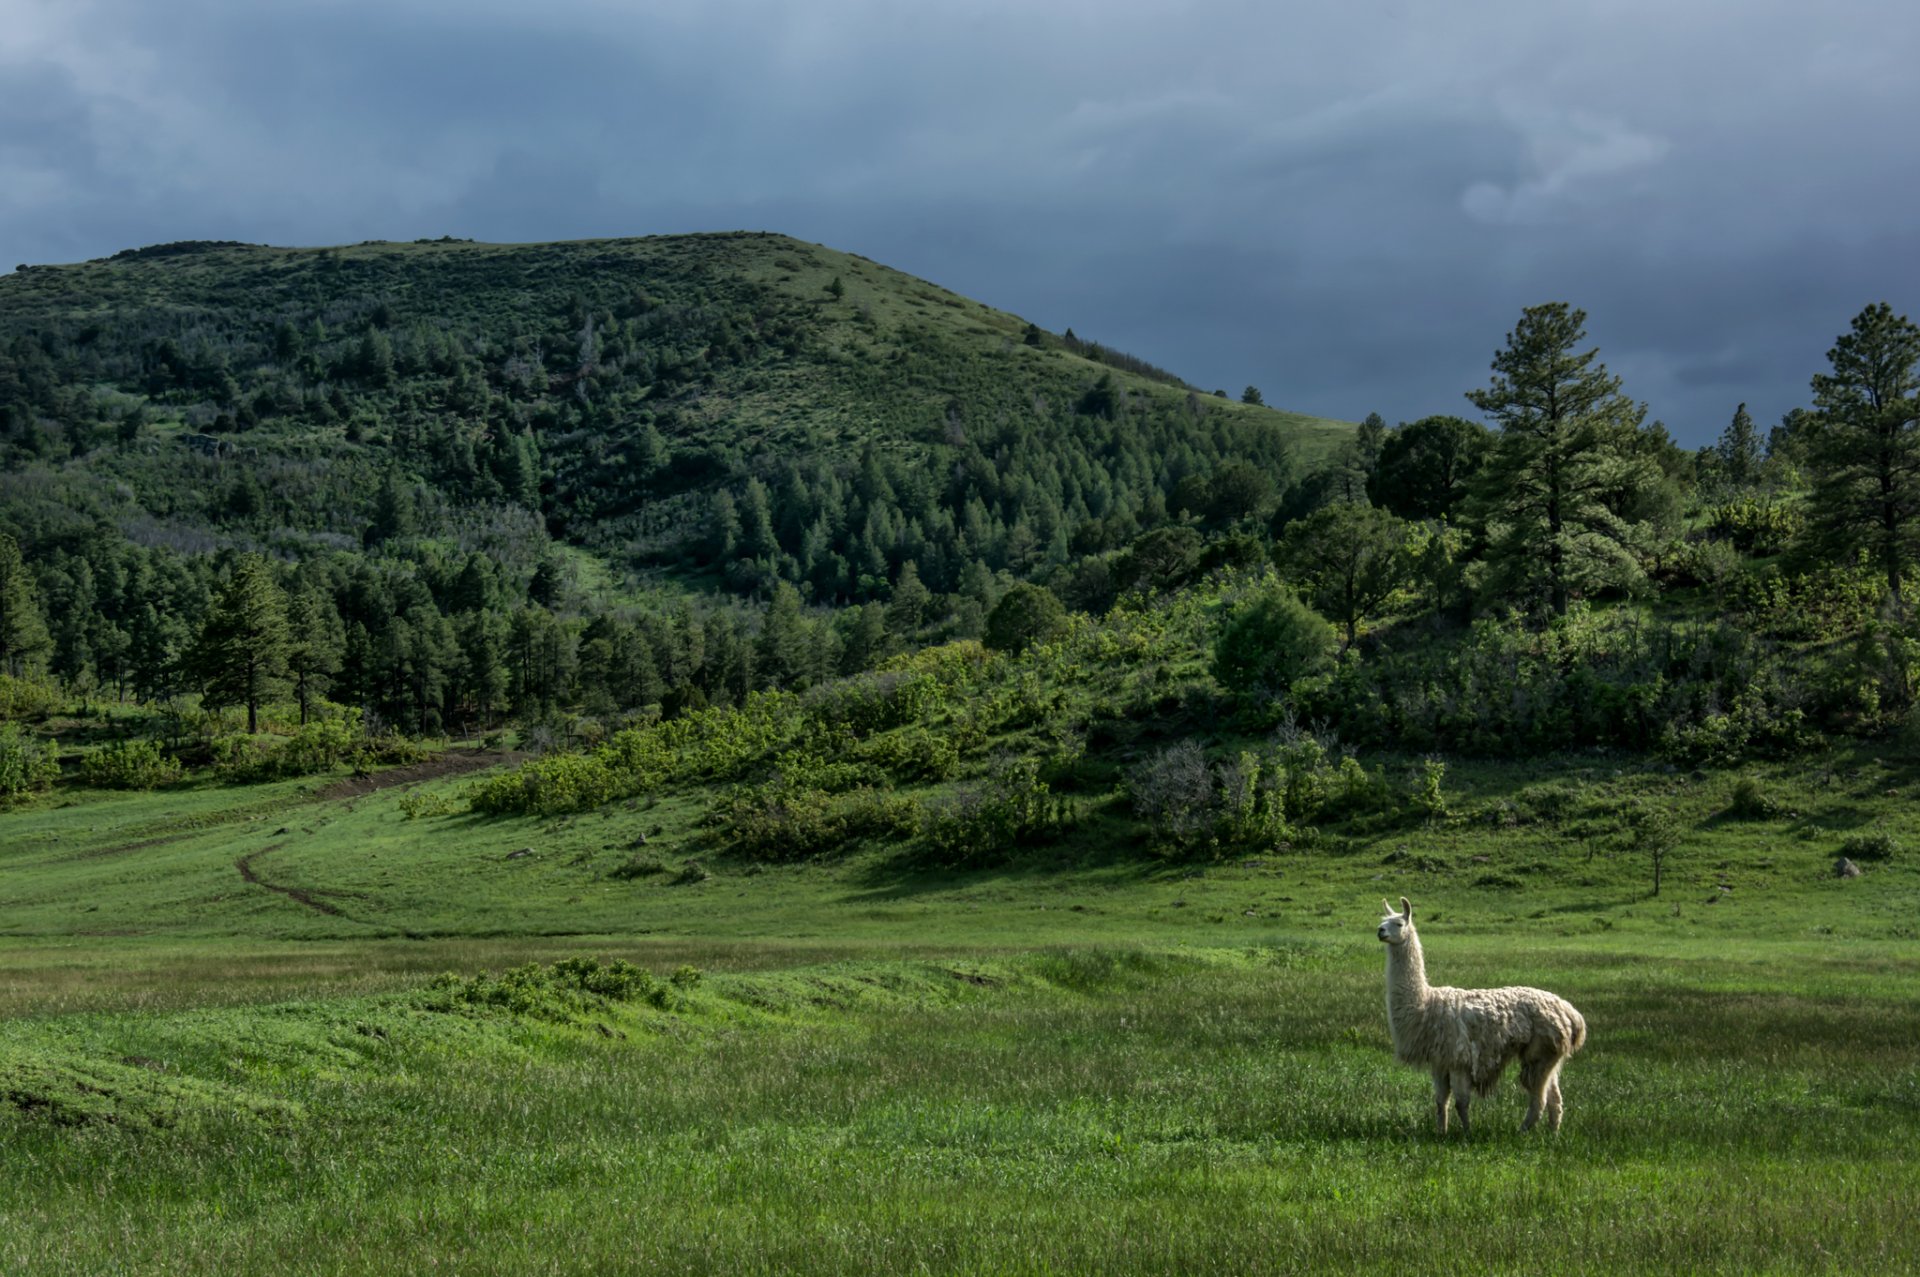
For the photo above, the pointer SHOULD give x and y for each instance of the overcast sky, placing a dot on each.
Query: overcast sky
(1344, 202)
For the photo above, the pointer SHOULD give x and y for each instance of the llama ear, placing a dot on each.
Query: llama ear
(1406, 909)
(1385, 906)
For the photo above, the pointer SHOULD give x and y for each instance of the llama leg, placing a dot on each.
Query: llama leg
(1553, 1101)
(1535, 1076)
(1462, 1094)
(1440, 1100)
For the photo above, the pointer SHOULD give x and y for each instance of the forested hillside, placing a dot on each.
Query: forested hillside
(426, 436)
(735, 510)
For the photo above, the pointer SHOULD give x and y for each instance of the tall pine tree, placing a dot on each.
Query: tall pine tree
(23, 633)
(1544, 494)
(1864, 450)
(242, 653)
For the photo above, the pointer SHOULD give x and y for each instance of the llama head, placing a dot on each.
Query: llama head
(1396, 928)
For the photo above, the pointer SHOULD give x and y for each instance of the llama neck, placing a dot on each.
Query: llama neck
(1406, 983)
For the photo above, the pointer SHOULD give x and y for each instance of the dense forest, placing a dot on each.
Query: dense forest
(673, 502)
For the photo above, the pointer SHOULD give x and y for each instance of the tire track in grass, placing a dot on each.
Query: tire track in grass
(301, 895)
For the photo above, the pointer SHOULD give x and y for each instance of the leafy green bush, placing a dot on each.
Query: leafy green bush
(912, 753)
(1750, 801)
(1756, 525)
(22, 698)
(130, 764)
(1270, 642)
(788, 821)
(1875, 844)
(717, 743)
(320, 745)
(26, 765)
(1026, 614)
(557, 992)
(1428, 800)
(1013, 808)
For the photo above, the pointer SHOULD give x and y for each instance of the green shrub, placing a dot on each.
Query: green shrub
(130, 764)
(1428, 800)
(418, 803)
(1270, 642)
(26, 765)
(1874, 845)
(786, 821)
(557, 992)
(23, 698)
(913, 753)
(1013, 808)
(1751, 801)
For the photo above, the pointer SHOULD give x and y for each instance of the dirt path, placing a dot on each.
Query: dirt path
(455, 762)
(245, 866)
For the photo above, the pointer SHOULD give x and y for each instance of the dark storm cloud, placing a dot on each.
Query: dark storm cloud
(1347, 204)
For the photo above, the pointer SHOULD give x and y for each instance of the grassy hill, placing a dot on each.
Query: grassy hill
(611, 386)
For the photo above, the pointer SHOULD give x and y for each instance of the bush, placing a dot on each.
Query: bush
(130, 764)
(788, 821)
(1270, 643)
(558, 992)
(1013, 808)
(1874, 845)
(1256, 800)
(913, 753)
(26, 765)
(1428, 801)
(22, 698)
(1751, 801)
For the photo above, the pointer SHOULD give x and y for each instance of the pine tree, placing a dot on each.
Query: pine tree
(1738, 451)
(1369, 439)
(23, 633)
(393, 513)
(907, 609)
(242, 653)
(1544, 494)
(315, 643)
(1864, 451)
(782, 650)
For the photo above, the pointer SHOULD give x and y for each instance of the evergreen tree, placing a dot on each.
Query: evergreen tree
(866, 639)
(393, 513)
(1369, 439)
(907, 609)
(24, 640)
(315, 643)
(1865, 450)
(1252, 395)
(783, 647)
(482, 678)
(153, 661)
(1543, 495)
(241, 655)
(1738, 452)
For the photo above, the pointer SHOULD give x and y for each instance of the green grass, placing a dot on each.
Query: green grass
(1085, 1061)
(1076, 1110)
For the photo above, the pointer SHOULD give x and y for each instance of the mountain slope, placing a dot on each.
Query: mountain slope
(626, 392)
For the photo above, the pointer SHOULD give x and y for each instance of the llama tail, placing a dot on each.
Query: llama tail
(1578, 1024)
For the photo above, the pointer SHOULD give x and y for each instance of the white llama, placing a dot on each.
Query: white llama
(1466, 1037)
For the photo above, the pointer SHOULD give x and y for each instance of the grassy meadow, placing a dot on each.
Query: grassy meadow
(1087, 1061)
